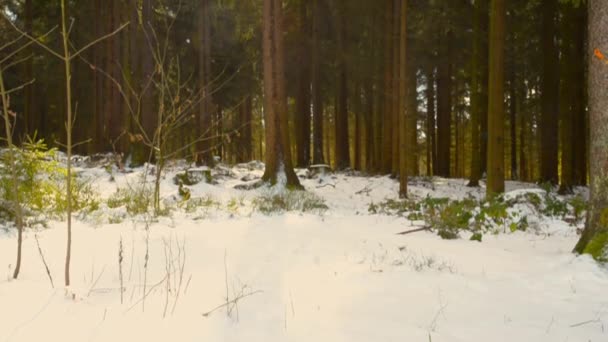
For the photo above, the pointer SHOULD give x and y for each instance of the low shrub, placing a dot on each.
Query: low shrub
(271, 202)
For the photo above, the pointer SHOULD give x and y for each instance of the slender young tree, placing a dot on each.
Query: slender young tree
(278, 156)
(16, 205)
(594, 240)
(496, 160)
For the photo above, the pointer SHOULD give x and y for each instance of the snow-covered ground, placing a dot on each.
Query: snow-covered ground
(343, 275)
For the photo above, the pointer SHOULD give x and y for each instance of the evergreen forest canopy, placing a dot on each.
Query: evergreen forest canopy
(459, 89)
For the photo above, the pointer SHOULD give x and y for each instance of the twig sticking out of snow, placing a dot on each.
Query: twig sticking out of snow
(231, 302)
(96, 281)
(46, 266)
(120, 258)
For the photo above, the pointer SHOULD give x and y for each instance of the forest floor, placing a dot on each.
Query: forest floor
(338, 275)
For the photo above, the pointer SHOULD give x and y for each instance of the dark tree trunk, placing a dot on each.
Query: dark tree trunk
(484, 79)
(148, 113)
(411, 114)
(278, 156)
(444, 106)
(303, 97)
(549, 93)
(342, 141)
(513, 122)
(387, 123)
(431, 143)
(203, 132)
(404, 112)
(29, 121)
(496, 160)
(580, 127)
(594, 240)
(317, 94)
(476, 101)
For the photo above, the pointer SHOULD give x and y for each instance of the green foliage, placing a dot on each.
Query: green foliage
(136, 200)
(234, 204)
(205, 203)
(42, 185)
(477, 237)
(579, 207)
(450, 217)
(289, 200)
(598, 247)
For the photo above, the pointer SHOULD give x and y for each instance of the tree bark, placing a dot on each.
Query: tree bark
(476, 110)
(317, 94)
(594, 240)
(444, 106)
(431, 142)
(404, 111)
(29, 122)
(278, 156)
(387, 124)
(549, 94)
(496, 160)
(342, 142)
(513, 122)
(411, 115)
(580, 126)
(303, 97)
(204, 131)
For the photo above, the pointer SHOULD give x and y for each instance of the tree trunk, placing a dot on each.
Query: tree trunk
(204, 131)
(412, 115)
(431, 142)
(278, 156)
(594, 240)
(396, 86)
(513, 122)
(29, 122)
(148, 113)
(496, 170)
(302, 118)
(484, 79)
(317, 94)
(404, 112)
(444, 106)
(387, 124)
(341, 122)
(549, 93)
(579, 105)
(476, 110)
(357, 111)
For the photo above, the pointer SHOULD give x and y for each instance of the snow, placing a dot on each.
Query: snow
(338, 276)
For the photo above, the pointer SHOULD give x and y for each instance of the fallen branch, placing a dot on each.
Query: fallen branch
(585, 323)
(152, 288)
(422, 229)
(325, 185)
(230, 302)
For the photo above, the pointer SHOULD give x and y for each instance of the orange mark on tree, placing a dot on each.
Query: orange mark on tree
(598, 54)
